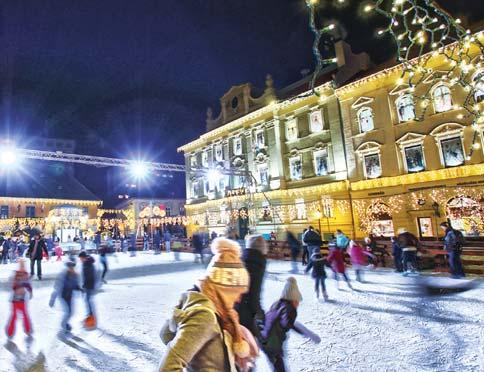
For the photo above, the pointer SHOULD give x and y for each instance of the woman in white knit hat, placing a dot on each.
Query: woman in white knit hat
(204, 333)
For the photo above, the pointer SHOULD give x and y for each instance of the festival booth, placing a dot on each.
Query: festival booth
(68, 221)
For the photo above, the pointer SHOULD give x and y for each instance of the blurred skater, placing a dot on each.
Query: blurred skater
(317, 264)
(22, 291)
(409, 244)
(279, 320)
(397, 255)
(58, 250)
(89, 286)
(357, 256)
(104, 262)
(66, 283)
(295, 247)
(336, 259)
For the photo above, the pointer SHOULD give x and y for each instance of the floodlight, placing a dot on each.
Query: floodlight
(7, 157)
(139, 169)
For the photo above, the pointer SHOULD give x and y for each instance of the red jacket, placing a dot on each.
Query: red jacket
(357, 255)
(336, 259)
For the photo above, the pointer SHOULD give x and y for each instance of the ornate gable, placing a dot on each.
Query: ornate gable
(368, 147)
(447, 129)
(399, 89)
(362, 101)
(411, 137)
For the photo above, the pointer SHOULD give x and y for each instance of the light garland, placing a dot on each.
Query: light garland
(422, 31)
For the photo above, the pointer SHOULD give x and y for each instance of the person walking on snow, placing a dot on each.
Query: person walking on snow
(36, 249)
(453, 243)
(22, 290)
(203, 333)
(89, 286)
(279, 320)
(249, 308)
(66, 283)
(336, 259)
(317, 264)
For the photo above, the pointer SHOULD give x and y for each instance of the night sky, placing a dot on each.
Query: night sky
(135, 77)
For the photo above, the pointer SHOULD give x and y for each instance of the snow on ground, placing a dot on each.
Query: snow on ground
(386, 325)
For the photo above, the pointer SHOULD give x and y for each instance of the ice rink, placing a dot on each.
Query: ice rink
(386, 324)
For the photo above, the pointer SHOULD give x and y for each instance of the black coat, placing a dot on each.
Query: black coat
(41, 246)
(89, 273)
(249, 306)
(317, 265)
(311, 237)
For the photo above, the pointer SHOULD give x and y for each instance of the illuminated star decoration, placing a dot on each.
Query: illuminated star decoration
(422, 30)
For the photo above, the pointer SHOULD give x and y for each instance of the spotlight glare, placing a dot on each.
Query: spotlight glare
(139, 170)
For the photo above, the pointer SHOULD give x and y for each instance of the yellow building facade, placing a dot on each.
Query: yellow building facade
(360, 157)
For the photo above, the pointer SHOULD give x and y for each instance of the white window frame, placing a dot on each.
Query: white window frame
(397, 105)
(445, 132)
(205, 161)
(236, 140)
(193, 161)
(258, 145)
(435, 89)
(358, 115)
(369, 149)
(291, 160)
(411, 140)
(216, 147)
(316, 112)
(316, 154)
(259, 175)
(293, 121)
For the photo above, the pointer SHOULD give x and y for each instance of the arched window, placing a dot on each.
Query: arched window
(405, 107)
(442, 98)
(365, 119)
(478, 82)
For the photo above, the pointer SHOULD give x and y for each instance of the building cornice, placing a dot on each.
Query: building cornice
(50, 201)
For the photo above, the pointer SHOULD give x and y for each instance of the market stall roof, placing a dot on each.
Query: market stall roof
(44, 182)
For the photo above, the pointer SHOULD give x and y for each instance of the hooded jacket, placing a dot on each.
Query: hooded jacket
(249, 305)
(194, 338)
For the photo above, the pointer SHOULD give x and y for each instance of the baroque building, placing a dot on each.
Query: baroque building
(363, 154)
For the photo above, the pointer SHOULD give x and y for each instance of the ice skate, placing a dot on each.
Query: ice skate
(325, 296)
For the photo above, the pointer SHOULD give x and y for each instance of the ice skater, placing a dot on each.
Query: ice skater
(357, 256)
(67, 282)
(104, 262)
(279, 320)
(22, 291)
(36, 250)
(336, 259)
(317, 264)
(89, 287)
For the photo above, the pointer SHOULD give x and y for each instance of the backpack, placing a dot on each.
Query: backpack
(459, 240)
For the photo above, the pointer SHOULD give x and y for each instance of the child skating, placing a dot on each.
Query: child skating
(22, 291)
(358, 259)
(67, 282)
(336, 259)
(317, 263)
(279, 320)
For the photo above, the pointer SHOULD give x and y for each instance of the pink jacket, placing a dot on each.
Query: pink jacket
(357, 255)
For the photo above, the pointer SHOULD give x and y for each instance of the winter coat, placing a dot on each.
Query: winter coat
(311, 237)
(407, 240)
(194, 338)
(21, 286)
(41, 248)
(89, 273)
(197, 243)
(279, 320)
(342, 241)
(294, 244)
(396, 250)
(357, 255)
(453, 240)
(249, 305)
(336, 259)
(66, 283)
(317, 264)
(167, 236)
